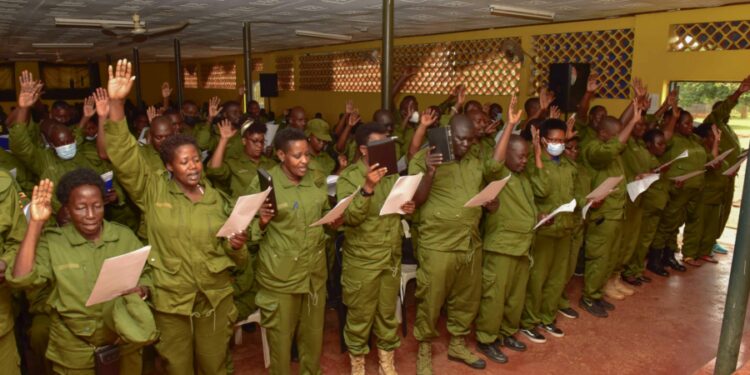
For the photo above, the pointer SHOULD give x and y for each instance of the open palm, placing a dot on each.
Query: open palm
(41, 201)
(121, 81)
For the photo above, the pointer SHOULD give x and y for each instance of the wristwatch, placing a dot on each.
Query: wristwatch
(366, 194)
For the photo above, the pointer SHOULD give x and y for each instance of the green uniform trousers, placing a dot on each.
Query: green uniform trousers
(547, 279)
(727, 203)
(38, 341)
(711, 228)
(196, 344)
(684, 207)
(293, 317)
(649, 226)
(451, 278)
(504, 279)
(576, 240)
(631, 229)
(10, 362)
(602, 240)
(370, 297)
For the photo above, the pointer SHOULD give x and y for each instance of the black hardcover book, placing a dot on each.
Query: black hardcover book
(383, 152)
(440, 138)
(265, 182)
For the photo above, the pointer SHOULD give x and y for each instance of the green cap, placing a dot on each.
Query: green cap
(131, 318)
(319, 128)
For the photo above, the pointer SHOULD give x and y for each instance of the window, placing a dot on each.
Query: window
(697, 97)
(222, 75)
(7, 82)
(190, 76)
(68, 81)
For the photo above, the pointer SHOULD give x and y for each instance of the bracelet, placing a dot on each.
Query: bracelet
(363, 193)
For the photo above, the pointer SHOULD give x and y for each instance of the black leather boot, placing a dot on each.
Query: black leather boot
(654, 263)
(669, 260)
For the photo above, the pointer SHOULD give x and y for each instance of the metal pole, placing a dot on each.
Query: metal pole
(737, 292)
(246, 48)
(385, 65)
(178, 68)
(137, 73)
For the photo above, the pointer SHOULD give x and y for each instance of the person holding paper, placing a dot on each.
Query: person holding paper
(450, 247)
(714, 189)
(603, 158)
(292, 268)
(371, 257)
(68, 259)
(192, 294)
(554, 186)
(12, 229)
(684, 197)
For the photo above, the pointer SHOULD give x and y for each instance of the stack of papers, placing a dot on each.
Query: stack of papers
(337, 211)
(720, 158)
(487, 194)
(403, 191)
(733, 169)
(683, 155)
(602, 191)
(242, 214)
(637, 187)
(567, 207)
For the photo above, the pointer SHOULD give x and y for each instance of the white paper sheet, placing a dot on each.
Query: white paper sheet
(637, 187)
(13, 172)
(271, 130)
(107, 178)
(567, 207)
(331, 181)
(487, 194)
(401, 164)
(336, 211)
(605, 188)
(586, 208)
(688, 176)
(242, 214)
(720, 158)
(733, 169)
(403, 191)
(655, 102)
(683, 155)
(117, 275)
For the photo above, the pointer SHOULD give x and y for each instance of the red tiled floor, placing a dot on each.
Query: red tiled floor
(670, 326)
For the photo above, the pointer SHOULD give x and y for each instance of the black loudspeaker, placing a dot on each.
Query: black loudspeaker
(269, 85)
(568, 82)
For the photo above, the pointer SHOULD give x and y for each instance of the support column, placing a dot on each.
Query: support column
(178, 68)
(137, 73)
(386, 67)
(247, 55)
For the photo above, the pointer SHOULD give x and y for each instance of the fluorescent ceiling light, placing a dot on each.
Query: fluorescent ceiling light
(62, 45)
(533, 14)
(225, 48)
(316, 34)
(60, 21)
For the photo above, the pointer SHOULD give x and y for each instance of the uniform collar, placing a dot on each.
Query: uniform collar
(279, 176)
(209, 194)
(76, 239)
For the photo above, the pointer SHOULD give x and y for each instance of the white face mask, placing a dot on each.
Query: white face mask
(66, 152)
(414, 117)
(555, 149)
(90, 138)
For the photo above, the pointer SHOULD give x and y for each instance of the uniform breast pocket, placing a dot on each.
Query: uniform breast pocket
(165, 272)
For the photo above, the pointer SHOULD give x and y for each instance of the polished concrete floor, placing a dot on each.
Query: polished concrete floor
(670, 326)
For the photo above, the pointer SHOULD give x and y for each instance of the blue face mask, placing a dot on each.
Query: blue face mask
(66, 152)
(499, 116)
(555, 149)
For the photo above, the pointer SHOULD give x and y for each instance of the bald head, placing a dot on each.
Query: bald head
(161, 129)
(609, 127)
(384, 117)
(517, 154)
(463, 135)
(297, 118)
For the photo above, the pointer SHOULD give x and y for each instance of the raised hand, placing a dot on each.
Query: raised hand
(593, 84)
(460, 96)
(744, 85)
(717, 133)
(213, 107)
(241, 89)
(88, 107)
(514, 115)
(374, 175)
(349, 107)
(639, 88)
(570, 125)
(226, 130)
(545, 98)
(30, 90)
(637, 112)
(41, 201)
(554, 112)
(121, 80)
(101, 100)
(353, 118)
(535, 139)
(429, 116)
(151, 113)
(166, 91)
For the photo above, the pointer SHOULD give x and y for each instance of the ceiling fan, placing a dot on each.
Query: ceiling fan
(512, 50)
(138, 33)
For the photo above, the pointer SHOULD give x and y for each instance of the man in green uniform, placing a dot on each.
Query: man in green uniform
(292, 264)
(371, 257)
(551, 248)
(603, 158)
(318, 134)
(18, 171)
(12, 230)
(58, 257)
(450, 247)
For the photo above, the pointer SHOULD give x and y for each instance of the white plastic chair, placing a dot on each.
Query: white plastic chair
(408, 273)
(253, 318)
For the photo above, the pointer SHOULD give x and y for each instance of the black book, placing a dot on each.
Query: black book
(266, 181)
(440, 138)
(383, 152)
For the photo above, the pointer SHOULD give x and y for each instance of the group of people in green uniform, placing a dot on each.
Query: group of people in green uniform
(494, 267)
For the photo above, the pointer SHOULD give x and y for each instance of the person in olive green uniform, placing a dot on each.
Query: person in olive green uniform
(12, 229)
(58, 258)
(371, 257)
(292, 265)
(603, 242)
(653, 202)
(192, 268)
(18, 171)
(684, 198)
(551, 248)
(318, 134)
(450, 246)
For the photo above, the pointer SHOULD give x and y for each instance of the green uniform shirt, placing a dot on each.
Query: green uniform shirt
(12, 230)
(581, 188)
(292, 257)
(554, 185)
(729, 138)
(238, 172)
(717, 185)
(444, 223)
(604, 160)
(371, 241)
(585, 132)
(323, 164)
(186, 256)
(696, 160)
(509, 230)
(657, 194)
(24, 177)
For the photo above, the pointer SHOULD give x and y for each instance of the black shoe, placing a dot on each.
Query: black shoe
(534, 336)
(669, 260)
(644, 279)
(605, 305)
(511, 343)
(569, 313)
(593, 308)
(553, 330)
(492, 352)
(654, 263)
(631, 280)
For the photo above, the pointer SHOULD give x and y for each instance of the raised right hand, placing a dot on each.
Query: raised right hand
(226, 130)
(30, 90)
(41, 201)
(121, 81)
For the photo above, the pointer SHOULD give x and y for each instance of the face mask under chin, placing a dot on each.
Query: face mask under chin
(66, 152)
